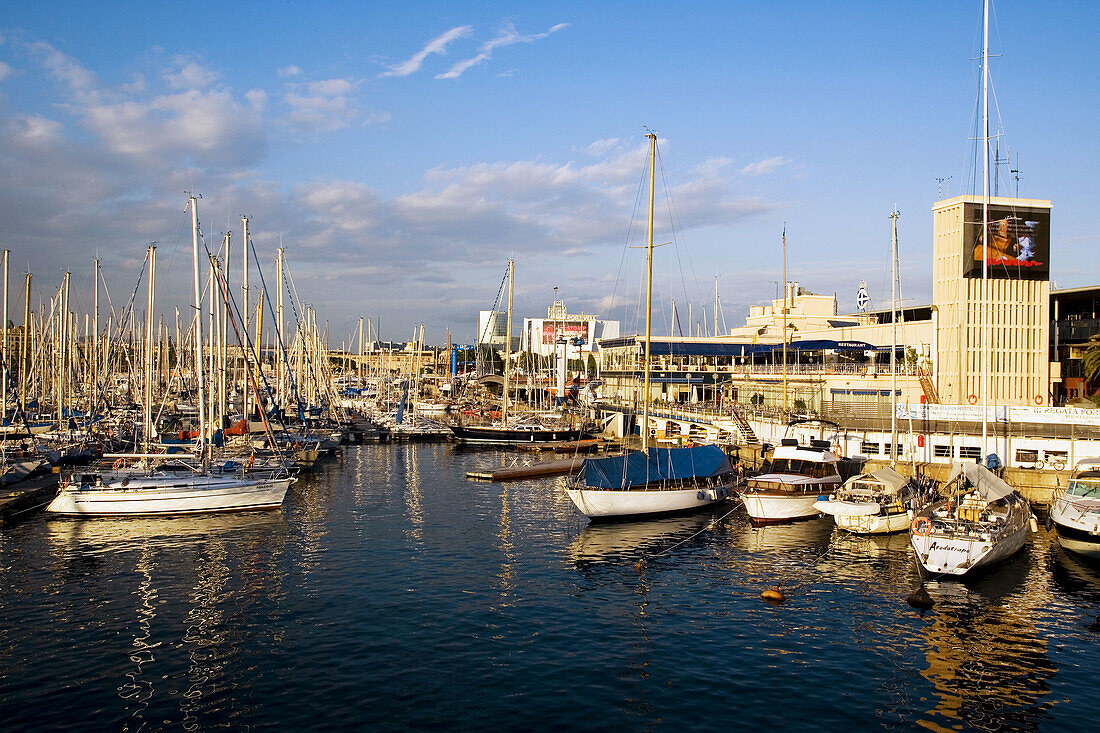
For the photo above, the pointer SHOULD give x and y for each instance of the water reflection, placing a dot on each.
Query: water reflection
(615, 542)
(414, 502)
(196, 579)
(985, 658)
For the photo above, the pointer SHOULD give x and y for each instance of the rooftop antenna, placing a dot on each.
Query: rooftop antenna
(939, 186)
(1016, 174)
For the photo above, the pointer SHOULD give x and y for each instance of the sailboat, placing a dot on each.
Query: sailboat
(168, 490)
(654, 480)
(524, 431)
(879, 502)
(983, 519)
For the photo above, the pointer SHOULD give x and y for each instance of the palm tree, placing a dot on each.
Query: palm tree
(1091, 359)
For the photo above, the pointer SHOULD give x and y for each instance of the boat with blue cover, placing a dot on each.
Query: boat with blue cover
(654, 481)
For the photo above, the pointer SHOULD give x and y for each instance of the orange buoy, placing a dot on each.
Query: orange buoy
(773, 595)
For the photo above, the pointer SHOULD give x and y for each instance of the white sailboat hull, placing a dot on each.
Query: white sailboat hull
(878, 524)
(959, 556)
(146, 496)
(863, 517)
(606, 504)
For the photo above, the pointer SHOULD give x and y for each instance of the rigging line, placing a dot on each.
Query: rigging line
(234, 316)
(299, 337)
(620, 277)
(704, 529)
(674, 223)
(280, 337)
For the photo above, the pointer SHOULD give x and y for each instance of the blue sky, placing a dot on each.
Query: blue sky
(403, 151)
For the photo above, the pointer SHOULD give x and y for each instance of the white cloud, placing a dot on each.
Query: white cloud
(63, 67)
(437, 45)
(290, 71)
(763, 167)
(211, 127)
(326, 105)
(506, 37)
(189, 74)
(5, 71)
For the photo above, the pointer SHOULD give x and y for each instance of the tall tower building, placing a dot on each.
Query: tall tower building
(1003, 330)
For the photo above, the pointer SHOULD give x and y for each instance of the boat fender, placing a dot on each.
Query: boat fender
(920, 599)
(701, 495)
(1050, 523)
(922, 526)
(1034, 524)
(773, 595)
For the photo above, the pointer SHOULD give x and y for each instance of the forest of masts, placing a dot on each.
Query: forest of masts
(61, 364)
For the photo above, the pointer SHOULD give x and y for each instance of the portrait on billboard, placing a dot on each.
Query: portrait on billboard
(1018, 246)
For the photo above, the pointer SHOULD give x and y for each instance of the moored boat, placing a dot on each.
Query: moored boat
(654, 481)
(1075, 512)
(876, 503)
(982, 520)
(799, 475)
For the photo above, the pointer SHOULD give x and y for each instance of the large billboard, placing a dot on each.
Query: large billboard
(1019, 242)
(551, 330)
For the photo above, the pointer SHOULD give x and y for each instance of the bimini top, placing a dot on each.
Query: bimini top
(656, 464)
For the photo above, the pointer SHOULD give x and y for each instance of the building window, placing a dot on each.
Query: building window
(868, 449)
(898, 450)
(1026, 455)
(941, 451)
(970, 452)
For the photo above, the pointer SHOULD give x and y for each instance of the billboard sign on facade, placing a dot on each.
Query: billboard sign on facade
(1018, 246)
(551, 330)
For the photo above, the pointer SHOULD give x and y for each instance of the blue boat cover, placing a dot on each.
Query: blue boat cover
(656, 464)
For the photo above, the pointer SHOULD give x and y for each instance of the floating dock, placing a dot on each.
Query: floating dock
(558, 467)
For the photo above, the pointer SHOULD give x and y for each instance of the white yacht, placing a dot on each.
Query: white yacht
(799, 475)
(981, 521)
(1075, 513)
(876, 503)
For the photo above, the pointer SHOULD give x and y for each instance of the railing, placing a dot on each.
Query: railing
(750, 370)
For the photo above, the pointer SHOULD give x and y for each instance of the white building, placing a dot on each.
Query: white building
(541, 335)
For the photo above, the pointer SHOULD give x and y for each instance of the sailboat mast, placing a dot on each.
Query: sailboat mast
(24, 359)
(147, 426)
(985, 232)
(6, 362)
(894, 339)
(201, 400)
(648, 286)
(507, 344)
(244, 313)
(786, 295)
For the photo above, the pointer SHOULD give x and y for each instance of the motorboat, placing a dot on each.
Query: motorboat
(1075, 512)
(877, 503)
(981, 520)
(789, 489)
(653, 481)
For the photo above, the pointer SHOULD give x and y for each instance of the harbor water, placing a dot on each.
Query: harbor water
(392, 593)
